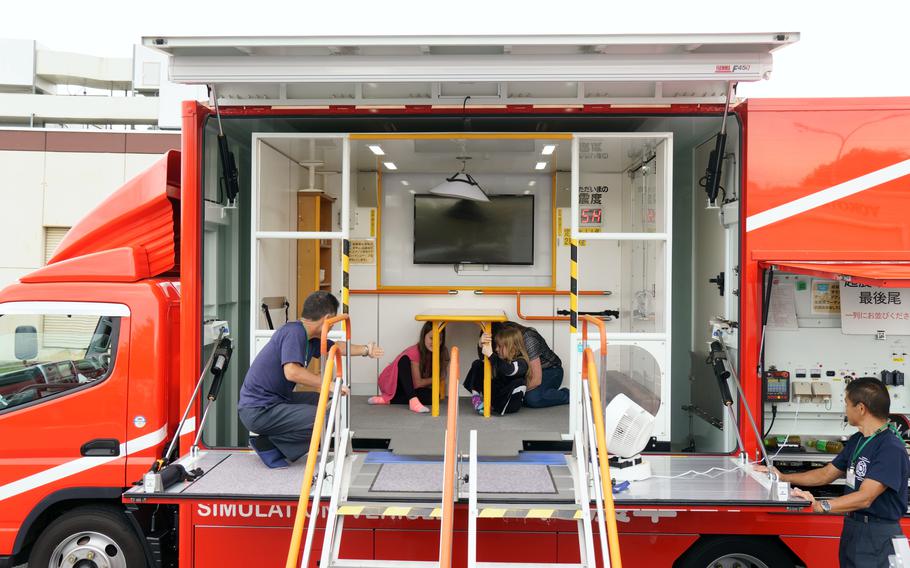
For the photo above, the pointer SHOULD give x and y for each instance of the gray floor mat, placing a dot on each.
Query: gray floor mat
(491, 478)
(245, 474)
(421, 434)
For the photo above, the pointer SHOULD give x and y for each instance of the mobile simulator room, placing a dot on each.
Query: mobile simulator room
(388, 287)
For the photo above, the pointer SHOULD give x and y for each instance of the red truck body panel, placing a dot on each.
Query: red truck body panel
(821, 182)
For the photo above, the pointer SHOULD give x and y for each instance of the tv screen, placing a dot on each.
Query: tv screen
(448, 230)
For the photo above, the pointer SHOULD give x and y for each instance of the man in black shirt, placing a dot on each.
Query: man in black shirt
(875, 465)
(545, 372)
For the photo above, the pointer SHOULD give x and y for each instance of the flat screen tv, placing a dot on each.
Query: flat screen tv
(448, 230)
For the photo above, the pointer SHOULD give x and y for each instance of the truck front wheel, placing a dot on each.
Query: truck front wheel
(88, 537)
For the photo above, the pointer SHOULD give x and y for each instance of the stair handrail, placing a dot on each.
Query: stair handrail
(321, 469)
(589, 374)
(333, 364)
(590, 441)
(602, 333)
(450, 461)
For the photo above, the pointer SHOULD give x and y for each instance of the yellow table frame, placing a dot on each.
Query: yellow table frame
(439, 324)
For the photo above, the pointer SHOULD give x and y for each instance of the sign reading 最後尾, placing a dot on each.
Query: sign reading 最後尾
(868, 310)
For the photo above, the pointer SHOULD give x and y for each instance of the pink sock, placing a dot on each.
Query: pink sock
(417, 406)
(377, 400)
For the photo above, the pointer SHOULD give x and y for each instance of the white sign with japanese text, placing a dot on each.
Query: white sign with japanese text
(866, 310)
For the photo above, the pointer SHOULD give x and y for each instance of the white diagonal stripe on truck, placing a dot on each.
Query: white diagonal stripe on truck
(79, 465)
(828, 195)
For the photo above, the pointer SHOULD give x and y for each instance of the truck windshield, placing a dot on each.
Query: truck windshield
(44, 355)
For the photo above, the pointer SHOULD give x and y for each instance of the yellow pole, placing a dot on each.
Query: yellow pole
(435, 368)
(486, 327)
(303, 501)
(597, 411)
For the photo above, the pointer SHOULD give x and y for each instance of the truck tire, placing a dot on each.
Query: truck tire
(88, 537)
(736, 552)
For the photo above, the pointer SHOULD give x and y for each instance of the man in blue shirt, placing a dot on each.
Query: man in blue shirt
(282, 418)
(875, 466)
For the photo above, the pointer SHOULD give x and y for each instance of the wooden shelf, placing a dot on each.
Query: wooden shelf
(314, 213)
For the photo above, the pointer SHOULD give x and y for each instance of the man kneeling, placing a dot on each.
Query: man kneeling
(280, 419)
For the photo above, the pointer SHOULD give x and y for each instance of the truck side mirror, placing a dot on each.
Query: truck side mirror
(26, 345)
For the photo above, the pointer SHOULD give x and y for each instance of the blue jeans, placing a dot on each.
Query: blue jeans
(548, 392)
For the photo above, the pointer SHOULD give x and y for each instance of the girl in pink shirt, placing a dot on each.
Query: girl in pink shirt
(409, 378)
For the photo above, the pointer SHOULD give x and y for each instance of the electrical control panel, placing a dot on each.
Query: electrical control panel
(776, 386)
(809, 345)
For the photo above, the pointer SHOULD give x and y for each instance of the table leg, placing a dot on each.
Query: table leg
(435, 394)
(486, 327)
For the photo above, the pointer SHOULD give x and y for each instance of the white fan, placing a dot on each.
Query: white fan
(628, 429)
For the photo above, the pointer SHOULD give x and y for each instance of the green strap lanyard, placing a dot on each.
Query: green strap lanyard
(859, 447)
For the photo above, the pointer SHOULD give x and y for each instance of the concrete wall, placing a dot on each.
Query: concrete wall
(53, 178)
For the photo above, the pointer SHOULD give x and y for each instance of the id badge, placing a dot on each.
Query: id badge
(851, 478)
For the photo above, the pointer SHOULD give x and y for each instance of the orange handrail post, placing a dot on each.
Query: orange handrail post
(589, 373)
(448, 483)
(327, 325)
(334, 364)
(601, 327)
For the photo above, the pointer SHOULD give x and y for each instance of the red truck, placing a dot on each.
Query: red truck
(102, 349)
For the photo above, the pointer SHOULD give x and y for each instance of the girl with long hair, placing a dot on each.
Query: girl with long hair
(409, 378)
(509, 366)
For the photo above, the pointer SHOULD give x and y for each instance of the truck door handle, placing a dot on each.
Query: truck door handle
(101, 447)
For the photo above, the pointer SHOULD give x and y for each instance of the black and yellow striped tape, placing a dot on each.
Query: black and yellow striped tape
(436, 512)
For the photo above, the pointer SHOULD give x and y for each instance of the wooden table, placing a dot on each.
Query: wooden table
(442, 317)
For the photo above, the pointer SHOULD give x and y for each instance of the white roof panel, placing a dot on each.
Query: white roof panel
(236, 63)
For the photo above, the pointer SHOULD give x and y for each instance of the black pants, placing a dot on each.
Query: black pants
(405, 390)
(501, 389)
(288, 425)
(866, 545)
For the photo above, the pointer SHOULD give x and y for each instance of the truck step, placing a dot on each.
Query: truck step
(525, 565)
(353, 563)
(528, 511)
(374, 509)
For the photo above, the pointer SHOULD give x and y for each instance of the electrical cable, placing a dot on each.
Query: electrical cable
(773, 416)
(795, 421)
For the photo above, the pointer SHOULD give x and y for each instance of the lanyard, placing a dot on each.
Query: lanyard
(859, 447)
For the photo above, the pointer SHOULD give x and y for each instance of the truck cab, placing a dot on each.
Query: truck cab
(89, 377)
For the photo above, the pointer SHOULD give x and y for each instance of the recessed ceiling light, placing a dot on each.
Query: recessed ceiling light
(539, 166)
(376, 149)
(532, 183)
(548, 149)
(527, 192)
(412, 191)
(390, 165)
(405, 182)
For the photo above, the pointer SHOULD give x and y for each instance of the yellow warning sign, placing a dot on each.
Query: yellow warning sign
(825, 297)
(559, 222)
(363, 251)
(372, 222)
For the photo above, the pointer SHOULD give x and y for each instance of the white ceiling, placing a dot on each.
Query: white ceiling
(501, 156)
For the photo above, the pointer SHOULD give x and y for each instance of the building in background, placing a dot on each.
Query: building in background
(74, 128)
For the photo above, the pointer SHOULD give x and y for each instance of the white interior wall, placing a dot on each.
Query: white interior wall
(397, 244)
(277, 274)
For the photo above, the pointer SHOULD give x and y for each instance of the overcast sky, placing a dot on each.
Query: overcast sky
(846, 48)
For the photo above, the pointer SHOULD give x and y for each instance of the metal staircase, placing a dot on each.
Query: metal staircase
(587, 466)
